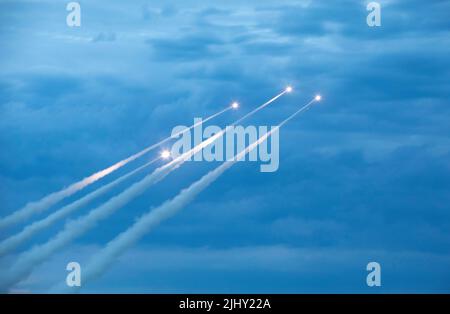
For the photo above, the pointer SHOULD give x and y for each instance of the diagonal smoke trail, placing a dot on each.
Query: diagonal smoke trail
(261, 107)
(53, 198)
(31, 258)
(12, 242)
(151, 219)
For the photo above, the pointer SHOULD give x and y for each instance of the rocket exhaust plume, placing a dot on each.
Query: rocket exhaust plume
(151, 219)
(53, 198)
(31, 258)
(36, 255)
(12, 242)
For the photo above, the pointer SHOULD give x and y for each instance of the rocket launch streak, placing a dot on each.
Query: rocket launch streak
(55, 197)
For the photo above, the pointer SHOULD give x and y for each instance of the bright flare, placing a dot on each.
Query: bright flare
(235, 105)
(288, 89)
(165, 154)
(318, 97)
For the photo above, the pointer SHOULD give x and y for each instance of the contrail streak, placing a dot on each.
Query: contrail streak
(152, 218)
(12, 242)
(31, 258)
(53, 198)
(261, 107)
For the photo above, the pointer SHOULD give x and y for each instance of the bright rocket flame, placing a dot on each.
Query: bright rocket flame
(165, 154)
(235, 105)
(288, 89)
(318, 98)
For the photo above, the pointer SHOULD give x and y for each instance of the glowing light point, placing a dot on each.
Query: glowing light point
(235, 105)
(288, 89)
(165, 154)
(318, 98)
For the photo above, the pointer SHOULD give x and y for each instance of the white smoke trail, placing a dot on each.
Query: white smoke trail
(31, 258)
(55, 197)
(12, 242)
(262, 106)
(152, 218)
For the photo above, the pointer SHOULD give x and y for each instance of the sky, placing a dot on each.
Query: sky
(364, 176)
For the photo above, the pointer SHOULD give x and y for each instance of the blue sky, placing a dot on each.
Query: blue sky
(363, 177)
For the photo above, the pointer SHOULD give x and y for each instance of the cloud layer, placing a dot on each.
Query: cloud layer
(365, 177)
